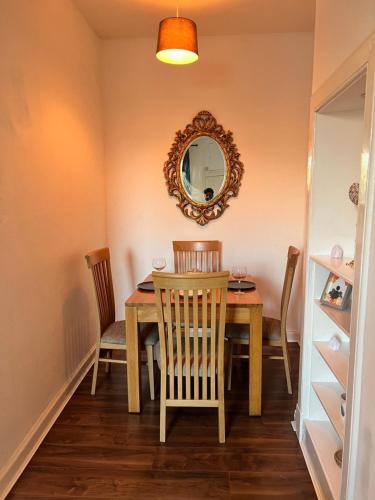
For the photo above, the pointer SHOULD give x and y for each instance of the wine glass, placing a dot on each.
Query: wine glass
(239, 273)
(159, 263)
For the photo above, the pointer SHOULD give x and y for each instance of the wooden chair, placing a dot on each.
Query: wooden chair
(274, 330)
(202, 256)
(111, 334)
(191, 353)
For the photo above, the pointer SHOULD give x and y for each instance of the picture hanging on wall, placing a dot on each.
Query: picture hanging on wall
(336, 293)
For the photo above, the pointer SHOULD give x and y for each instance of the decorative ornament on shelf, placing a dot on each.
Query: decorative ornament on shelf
(338, 457)
(343, 405)
(353, 193)
(337, 252)
(334, 343)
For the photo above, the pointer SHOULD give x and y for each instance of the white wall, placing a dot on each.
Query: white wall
(340, 28)
(365, 478)
(52, 206)
(258, 86)
(337, 164)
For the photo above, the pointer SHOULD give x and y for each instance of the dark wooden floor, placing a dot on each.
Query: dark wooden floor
(96, 450)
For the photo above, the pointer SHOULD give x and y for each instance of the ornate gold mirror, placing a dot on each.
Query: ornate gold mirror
(203, 169)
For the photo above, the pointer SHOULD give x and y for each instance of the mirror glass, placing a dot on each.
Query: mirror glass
(203, 169)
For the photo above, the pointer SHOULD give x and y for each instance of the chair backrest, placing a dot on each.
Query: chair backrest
(293, 254)
(100, 264)
(204, 256)
(186, 349)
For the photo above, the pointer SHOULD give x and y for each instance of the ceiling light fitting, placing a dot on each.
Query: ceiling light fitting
(177, 41)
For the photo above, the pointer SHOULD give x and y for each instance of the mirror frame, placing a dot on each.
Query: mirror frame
(203, 124)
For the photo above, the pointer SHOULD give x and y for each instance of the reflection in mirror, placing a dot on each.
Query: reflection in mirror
(203, 169)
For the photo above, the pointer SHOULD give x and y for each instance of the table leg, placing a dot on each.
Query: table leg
(133, 360)
(255, 361)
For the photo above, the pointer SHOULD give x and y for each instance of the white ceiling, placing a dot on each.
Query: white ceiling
(140, 18)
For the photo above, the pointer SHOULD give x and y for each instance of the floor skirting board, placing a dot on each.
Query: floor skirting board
(39, 430)
(293, 336)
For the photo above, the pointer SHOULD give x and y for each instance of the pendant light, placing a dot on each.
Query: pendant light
(177, 41)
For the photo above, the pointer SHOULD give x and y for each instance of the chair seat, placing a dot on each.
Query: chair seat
(200, 364)
(115, 333)
(271, 330)
(150, 333)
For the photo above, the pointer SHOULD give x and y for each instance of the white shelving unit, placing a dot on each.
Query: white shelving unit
(341, 318)
(337, 361)
(340, 127)
(329, 394)
(322, 443)
(337, 266)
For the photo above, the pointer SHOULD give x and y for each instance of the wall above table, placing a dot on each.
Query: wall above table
(259, 87)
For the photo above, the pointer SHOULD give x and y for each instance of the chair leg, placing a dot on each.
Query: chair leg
(230, 366)
(163, 416)
(287, 367)
(95, 372)
(108, 365)
(221, 415)
(150, 367)
(221, 407)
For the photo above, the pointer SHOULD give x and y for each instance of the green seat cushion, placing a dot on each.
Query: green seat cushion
(271, 330)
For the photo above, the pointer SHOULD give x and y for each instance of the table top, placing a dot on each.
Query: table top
(248, 298)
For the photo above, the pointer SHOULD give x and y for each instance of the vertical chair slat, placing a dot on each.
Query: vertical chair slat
(221, 332)
(179, 343)
(204, 344)
(103, 291)
(213, 343)
(100, 299)
(106, 281)
(187, 343)
(98, 291)
(161, 329)
(111, 293)
(195, 344)
(170, 343)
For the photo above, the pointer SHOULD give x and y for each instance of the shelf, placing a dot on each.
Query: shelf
(341, 318)
(336, 266)
(329, 394)
(338, 361)
(325, 443)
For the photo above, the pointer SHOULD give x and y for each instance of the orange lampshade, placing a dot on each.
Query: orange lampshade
(177, 41)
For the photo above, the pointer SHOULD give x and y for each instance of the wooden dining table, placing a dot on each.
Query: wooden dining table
(244, 309)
